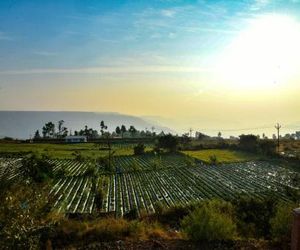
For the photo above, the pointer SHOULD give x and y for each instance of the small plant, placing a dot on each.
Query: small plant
(91, 170)
(156, 163)
(139, 149)
(190, 162)
(99, 196)
(106, 163)
(213, 160)
(60, 173)
(78, 156)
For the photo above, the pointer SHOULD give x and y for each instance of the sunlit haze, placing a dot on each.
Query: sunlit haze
(230, 66)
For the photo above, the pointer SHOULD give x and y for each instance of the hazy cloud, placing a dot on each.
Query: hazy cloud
(45, 53)
(4, 36)
(168, 12)
(107, 70)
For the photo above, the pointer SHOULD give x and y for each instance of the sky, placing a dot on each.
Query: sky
(230, 66)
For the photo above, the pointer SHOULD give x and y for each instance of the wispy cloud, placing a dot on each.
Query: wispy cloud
(107, 70)
(4, 36)
(44, 53)
(259, 4)
(168, 12)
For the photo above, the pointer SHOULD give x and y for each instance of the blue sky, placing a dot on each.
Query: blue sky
(76, 34)
(128, 56)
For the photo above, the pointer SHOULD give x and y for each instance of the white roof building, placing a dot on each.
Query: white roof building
(75, 139)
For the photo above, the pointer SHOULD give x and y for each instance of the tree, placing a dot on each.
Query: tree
(103, 128)
(132, 130)
(37, 135)
(168, 142)
(60, 124)
(88, 132)
(219, 135)
(249, 143)
(139, 149)
(267, 147)
(201, 136)
(48, 130)
(62, 131)
(123, 130)
(118, 130)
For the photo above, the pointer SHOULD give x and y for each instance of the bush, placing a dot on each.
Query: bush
(249, 143)
(106, 163)
(23, 214)
(253, 216)
(139, 149)
(210, 222)
(99, 196)
(133, 214)
(267, 147)
(168, 142)
(189, 161)
(173, 215)
(281, 222)
(91, 171)
(37, 168)
(213, 160)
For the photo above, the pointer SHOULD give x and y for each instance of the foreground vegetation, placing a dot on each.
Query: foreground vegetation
(152, 195)
(27, 222)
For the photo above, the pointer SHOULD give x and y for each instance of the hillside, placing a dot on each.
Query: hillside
(22, 124)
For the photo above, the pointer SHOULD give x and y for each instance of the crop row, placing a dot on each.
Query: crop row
(9, 167)
(146, 190)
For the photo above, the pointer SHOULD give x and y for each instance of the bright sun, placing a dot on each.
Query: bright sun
(265, 54)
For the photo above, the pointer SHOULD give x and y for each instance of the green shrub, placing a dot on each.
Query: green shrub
(91, 171)
(61, 173)
(99, 196)
(253, 216)
(209, 222)
(37, 168)
(139, 149)
(189, 161)
(213, 160)
(281, 222)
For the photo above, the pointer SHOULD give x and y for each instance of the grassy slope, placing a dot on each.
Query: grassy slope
(223, 155)
(62, 151)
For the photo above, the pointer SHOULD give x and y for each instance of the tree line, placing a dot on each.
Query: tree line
(58, 131)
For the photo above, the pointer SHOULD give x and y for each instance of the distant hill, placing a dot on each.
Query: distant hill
(22, 124)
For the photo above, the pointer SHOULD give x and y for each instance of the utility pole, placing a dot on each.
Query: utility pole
(278, 127)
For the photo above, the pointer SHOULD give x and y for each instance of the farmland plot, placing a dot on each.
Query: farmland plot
(144, 190)
(144, 182)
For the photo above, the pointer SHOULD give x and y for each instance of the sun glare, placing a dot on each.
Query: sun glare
(264, 55)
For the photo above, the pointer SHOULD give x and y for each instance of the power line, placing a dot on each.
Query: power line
(241, 129)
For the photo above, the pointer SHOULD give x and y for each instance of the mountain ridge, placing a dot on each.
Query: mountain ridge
(23, 124)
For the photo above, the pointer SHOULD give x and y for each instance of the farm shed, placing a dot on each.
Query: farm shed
(75, 139)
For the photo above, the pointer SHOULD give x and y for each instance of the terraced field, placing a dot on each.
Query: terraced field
(144, 182)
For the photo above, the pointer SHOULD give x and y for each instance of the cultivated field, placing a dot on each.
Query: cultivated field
(66, 151)
(147, 182)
